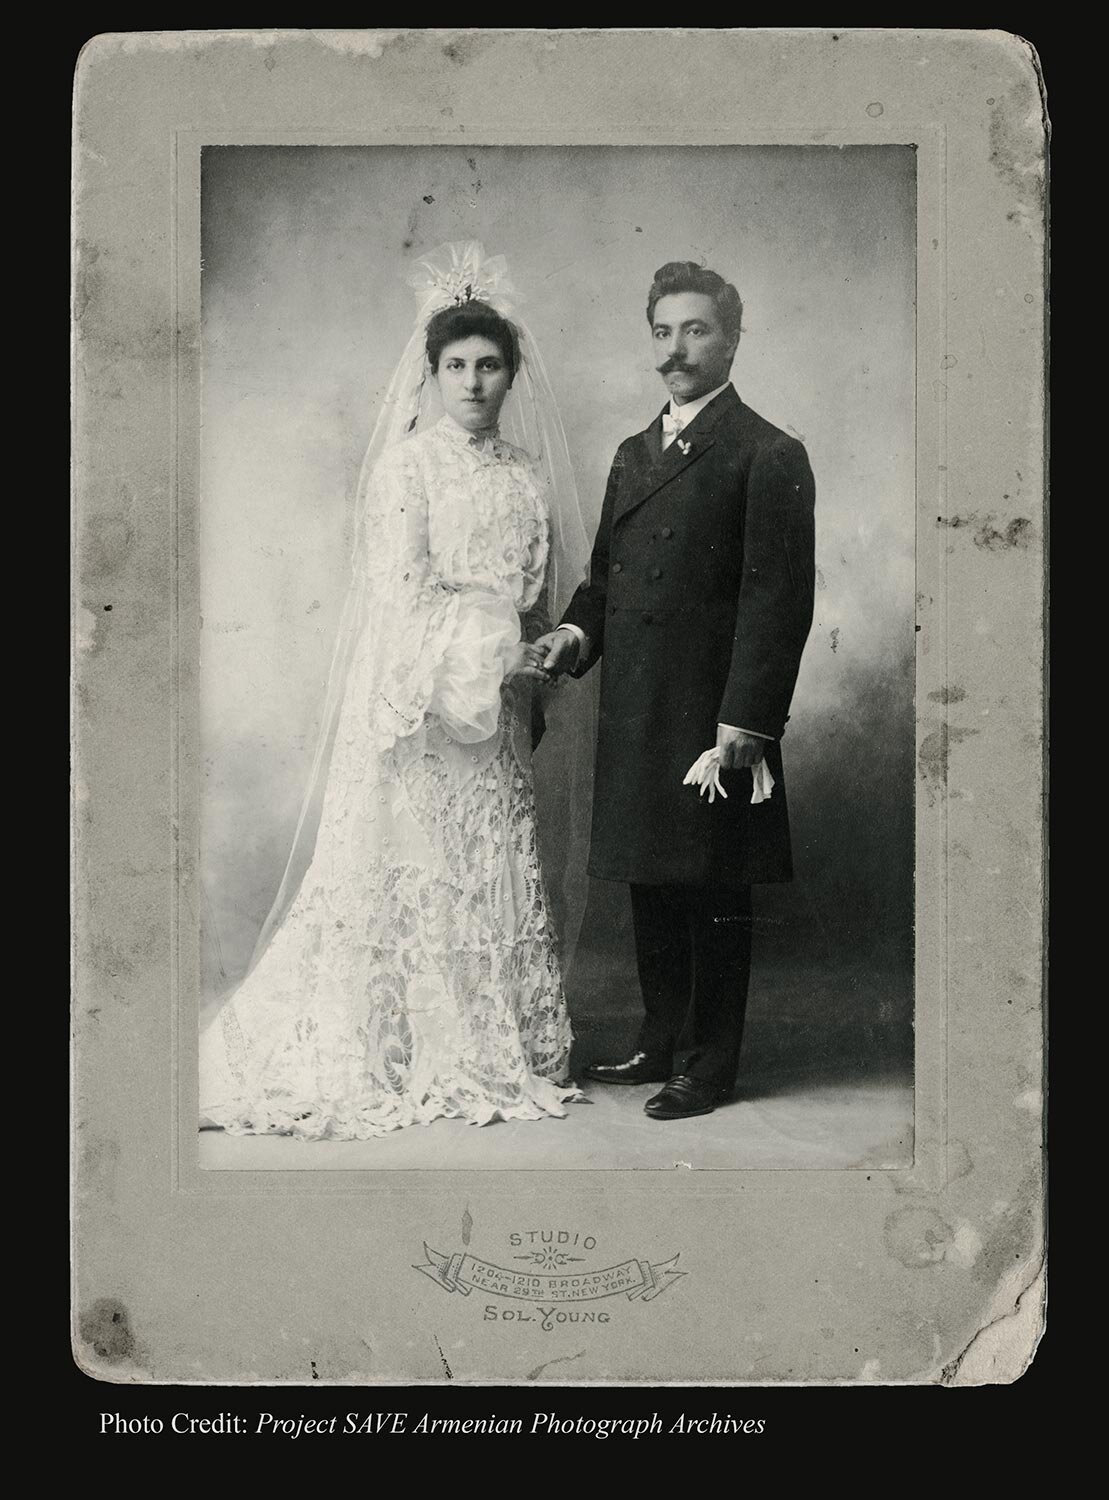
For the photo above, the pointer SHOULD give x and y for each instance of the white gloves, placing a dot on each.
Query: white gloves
(705, 774)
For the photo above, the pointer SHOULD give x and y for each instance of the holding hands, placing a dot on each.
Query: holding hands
(559, 651)
(526, 661)
(543, 660)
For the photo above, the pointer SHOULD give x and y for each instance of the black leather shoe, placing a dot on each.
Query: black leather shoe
(685, 1096)
(640, 1067)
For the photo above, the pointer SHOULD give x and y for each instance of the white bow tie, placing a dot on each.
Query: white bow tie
(671, 425)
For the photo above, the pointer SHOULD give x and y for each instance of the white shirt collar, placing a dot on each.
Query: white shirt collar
(691, 408)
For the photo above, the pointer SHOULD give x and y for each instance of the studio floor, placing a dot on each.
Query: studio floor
(830, 1116)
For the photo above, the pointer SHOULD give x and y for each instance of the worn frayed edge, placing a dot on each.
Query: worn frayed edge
(354, 43)
(1041, 83)
(1006, 1344)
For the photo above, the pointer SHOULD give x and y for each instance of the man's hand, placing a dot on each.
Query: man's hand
(560, 648)
(737, 748)
(525, 661)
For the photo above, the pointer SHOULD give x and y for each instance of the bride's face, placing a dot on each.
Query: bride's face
(473, 381)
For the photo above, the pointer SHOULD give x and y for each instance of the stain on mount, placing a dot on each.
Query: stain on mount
(917, 1237)
(989, 536)
(1018, 533)
(1016, 140)
(933, 756)
(105, 1329)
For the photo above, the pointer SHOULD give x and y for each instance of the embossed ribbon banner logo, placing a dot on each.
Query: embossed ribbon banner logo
(633, 1278)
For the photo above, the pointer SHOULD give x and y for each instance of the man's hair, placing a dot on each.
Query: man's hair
(463, 322)
(688, 276)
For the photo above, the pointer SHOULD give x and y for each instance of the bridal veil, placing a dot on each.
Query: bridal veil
(455, 274)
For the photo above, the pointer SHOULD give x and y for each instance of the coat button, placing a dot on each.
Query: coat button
(618, 567)
(656, 572)
(612, 609)
(667, 532)
(647, 618)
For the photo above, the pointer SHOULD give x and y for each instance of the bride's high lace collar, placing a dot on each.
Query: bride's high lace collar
(489, 443)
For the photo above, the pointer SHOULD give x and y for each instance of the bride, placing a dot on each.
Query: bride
(409, 970)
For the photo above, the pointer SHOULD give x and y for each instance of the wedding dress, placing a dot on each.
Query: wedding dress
(415, 974)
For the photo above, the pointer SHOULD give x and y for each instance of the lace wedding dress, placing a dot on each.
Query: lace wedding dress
(415, 974)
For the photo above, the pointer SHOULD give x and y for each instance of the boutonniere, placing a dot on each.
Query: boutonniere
(683, 444)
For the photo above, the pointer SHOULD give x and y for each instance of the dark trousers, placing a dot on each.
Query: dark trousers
(693, 944)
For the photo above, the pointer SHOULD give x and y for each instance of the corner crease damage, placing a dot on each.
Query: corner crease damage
(1006, 1344)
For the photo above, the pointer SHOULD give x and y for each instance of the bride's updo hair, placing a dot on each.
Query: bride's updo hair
(464, 321)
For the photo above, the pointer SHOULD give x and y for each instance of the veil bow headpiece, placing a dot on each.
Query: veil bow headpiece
(448, 277)
(460, 273)
(451, 276)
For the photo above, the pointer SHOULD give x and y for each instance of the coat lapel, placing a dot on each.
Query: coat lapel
(659, 466)
(653, 440)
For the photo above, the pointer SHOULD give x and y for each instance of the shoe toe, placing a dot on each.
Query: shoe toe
(639, 1068)
(683, 1096)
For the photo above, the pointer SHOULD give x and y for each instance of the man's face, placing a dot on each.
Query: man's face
(693, 354)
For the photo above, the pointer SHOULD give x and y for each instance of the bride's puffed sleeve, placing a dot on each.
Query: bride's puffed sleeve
(442, 650)
(467, 691)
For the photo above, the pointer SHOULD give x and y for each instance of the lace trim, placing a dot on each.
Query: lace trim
(415, 975)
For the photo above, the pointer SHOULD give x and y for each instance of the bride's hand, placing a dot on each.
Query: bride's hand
(526, 661)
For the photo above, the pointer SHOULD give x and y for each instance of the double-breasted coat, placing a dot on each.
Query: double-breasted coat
(699, 602)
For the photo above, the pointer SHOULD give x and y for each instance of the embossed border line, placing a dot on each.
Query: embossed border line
(929, 1170)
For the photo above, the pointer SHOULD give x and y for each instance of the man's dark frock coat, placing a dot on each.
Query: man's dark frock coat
(700, 598)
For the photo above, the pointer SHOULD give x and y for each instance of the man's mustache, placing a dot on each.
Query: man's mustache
(670, 365)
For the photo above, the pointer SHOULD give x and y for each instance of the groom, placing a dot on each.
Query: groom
(699, 599)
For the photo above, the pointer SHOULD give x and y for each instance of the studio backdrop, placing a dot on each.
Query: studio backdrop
(305, 312)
